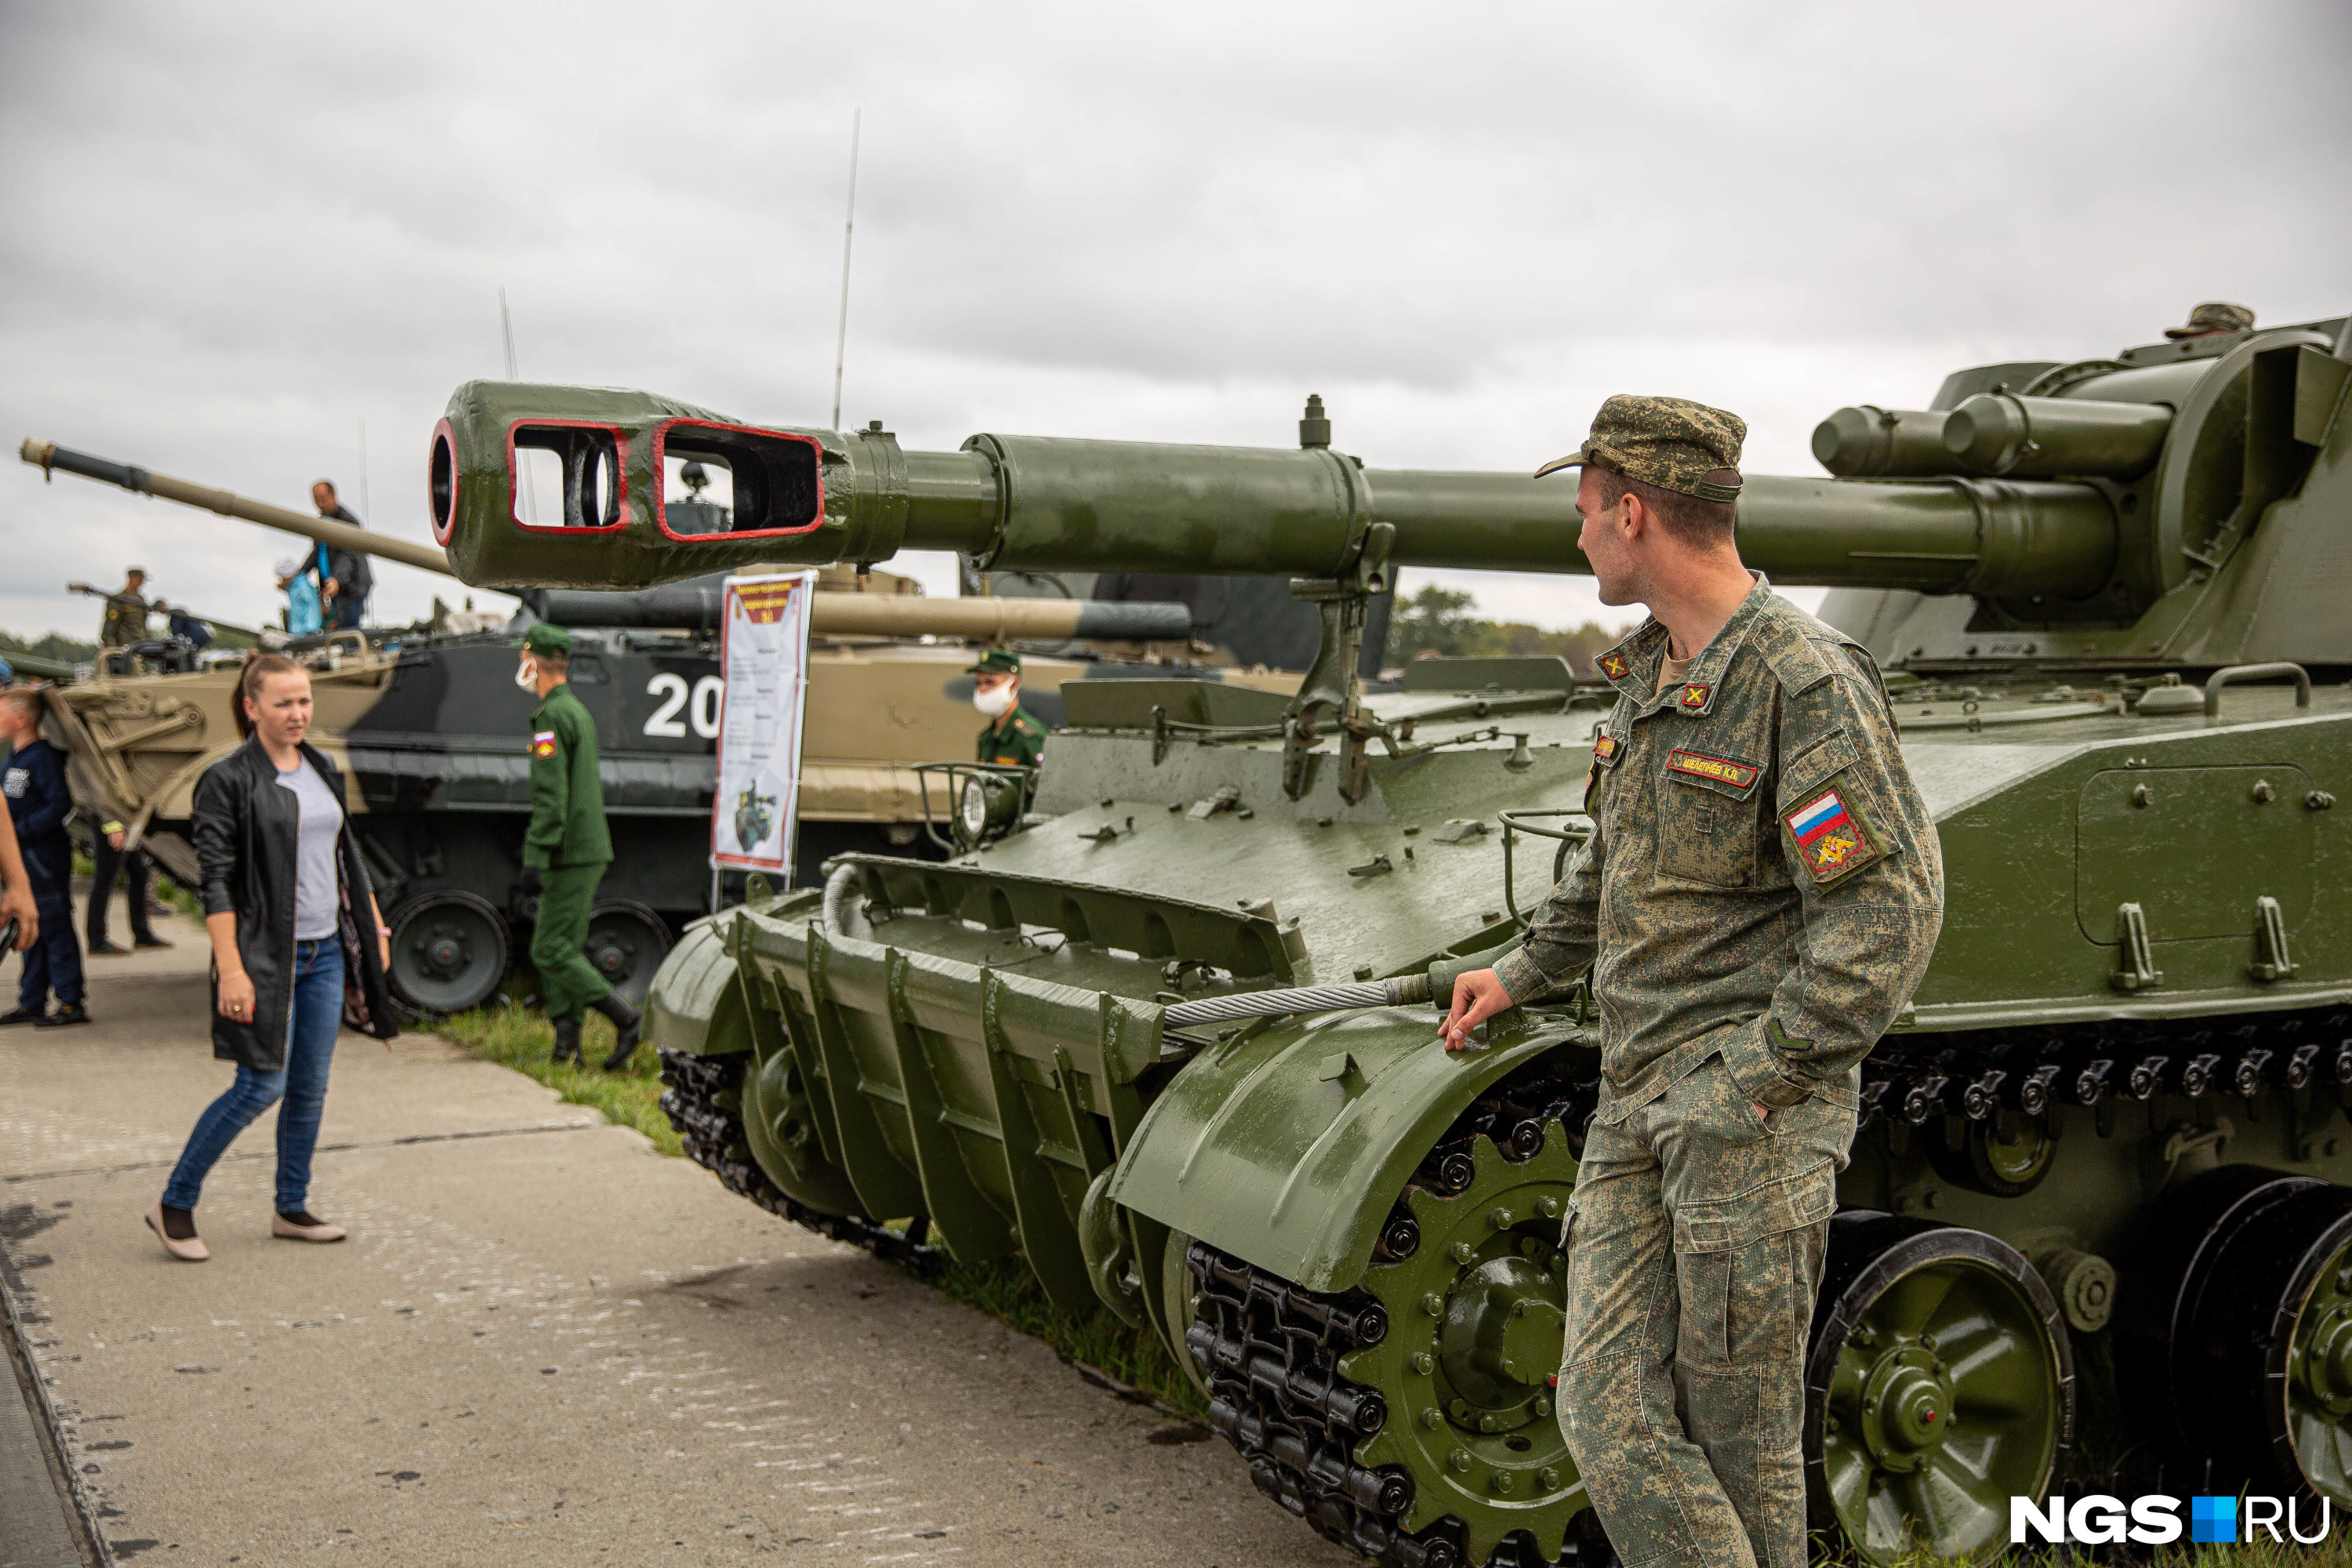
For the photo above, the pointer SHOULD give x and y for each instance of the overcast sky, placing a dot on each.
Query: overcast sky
(237, 232)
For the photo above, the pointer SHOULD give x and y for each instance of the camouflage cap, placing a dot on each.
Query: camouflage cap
(997, 661)
(1669, 442)
(544, 638)
(2214, 316)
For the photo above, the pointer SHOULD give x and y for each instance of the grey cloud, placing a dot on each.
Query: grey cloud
(239, 230)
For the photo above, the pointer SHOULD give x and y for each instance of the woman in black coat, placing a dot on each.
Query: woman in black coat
(298, 946)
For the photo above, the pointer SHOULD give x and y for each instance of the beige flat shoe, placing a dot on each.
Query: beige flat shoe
(192, 1249)
(304, 1225)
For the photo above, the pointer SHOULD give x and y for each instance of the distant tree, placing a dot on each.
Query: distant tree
(56, 644)
(1442, 621)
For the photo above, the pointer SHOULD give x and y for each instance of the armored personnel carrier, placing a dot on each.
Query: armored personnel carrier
(428, 728)
(1173, 1048)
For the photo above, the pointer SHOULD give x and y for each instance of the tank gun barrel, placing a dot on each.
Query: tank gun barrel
(694, 605)
(1010, 502)
(48, 456)
(691, 606)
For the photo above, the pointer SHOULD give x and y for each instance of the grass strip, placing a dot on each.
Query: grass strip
(522, 1038)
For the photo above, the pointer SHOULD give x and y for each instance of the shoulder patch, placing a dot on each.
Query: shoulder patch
(1832, 840)
(1722, 769)
(1614, 666)
(543, 743)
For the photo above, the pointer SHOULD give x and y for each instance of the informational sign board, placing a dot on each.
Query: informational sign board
(763, 658)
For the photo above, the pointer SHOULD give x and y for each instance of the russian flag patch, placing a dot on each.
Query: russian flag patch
(1830, 840)
(543, 743)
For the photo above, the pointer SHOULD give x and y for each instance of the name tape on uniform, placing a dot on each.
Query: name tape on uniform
(1723, 770)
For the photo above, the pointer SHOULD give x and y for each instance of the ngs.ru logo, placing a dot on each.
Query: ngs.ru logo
(2155, 1521)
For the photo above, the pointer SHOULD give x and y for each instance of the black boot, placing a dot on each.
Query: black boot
(626, 1021)
(567, 1041)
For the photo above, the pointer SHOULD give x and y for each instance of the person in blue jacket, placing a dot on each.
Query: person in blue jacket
(35, 784)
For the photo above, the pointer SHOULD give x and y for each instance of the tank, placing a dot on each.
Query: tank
(427, 726)
(1171, 1047)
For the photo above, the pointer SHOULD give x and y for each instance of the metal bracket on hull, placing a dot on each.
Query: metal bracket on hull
(2135, 967)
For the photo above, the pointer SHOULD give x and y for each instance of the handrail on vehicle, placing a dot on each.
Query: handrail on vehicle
(1515, 822)
(2232, 675)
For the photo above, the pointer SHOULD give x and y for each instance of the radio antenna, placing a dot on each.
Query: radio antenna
(848, 231)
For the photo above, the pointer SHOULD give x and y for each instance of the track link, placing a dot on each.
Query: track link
(701, 1099)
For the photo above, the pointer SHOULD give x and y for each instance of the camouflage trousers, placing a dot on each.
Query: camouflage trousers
(1694, 1244)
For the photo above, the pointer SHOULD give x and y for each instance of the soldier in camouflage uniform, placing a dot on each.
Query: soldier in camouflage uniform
(1759, 897)
(126, 612)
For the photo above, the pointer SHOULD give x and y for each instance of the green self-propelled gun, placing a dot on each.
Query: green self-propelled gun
(1170, 1043)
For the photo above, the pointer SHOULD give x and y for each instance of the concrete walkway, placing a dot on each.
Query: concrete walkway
(543, 1344)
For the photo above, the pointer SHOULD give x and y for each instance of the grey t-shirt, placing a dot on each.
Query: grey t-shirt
(315, 904)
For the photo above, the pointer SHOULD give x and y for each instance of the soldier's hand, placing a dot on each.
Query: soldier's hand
(530, 881)
(1477, 997)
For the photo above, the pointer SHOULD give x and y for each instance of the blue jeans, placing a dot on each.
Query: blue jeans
(309, 1052)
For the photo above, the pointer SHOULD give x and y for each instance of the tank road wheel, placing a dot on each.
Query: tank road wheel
(1476, 1319)
(1939, 1384)
(626, 942)
(2259, 1352)
(448, 951)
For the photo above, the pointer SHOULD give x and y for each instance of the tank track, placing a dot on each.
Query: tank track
(2306, 1057)
(1270, 1351)
(699, 1095)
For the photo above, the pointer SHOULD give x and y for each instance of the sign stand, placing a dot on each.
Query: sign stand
(764, 661)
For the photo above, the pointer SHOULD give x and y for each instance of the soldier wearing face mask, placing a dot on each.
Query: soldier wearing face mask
(1013, 735)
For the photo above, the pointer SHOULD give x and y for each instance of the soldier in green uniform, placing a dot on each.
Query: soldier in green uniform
(566, 850)
(1759, 897)
(1013, 734)
(126, 612)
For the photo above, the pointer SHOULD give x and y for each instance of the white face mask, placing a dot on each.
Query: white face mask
(996, 701)
(527, 674)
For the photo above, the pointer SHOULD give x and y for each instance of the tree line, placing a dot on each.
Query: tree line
(1443, 621)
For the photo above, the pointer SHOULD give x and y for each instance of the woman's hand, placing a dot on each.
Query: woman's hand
(237, 997)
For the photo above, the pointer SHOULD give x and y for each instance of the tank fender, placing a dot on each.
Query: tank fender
(1286, 1147)
(694, 1003)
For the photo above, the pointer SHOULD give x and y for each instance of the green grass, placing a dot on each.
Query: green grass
(522, 1039)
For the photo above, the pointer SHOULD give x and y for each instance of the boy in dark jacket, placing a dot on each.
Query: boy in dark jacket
(35, 782)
